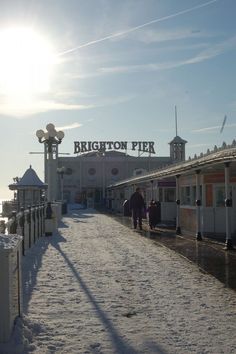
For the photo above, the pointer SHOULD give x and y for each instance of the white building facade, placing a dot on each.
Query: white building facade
(87, 176)
(97, 165)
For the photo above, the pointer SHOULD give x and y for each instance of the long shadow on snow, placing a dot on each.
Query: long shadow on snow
(31, 263)
(120, 347)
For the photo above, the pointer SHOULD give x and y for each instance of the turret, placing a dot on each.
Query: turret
(177, 149)
(177, 145)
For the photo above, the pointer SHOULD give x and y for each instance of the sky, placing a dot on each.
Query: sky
(114, 70)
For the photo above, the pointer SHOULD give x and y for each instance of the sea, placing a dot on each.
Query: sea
(1, 200)
(1, 218)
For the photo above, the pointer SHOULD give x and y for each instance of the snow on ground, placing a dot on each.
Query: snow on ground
(100, 287)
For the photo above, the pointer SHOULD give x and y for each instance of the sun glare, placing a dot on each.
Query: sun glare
(26, 62)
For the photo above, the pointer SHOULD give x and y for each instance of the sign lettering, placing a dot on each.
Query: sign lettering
(86, 146)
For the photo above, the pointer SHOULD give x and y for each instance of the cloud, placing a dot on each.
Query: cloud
(155, 36)
(115, 100)
(194, 146)
(70, 126)
(213, 51)
(22, 110)
(204, 55)
(138, 68)
(125, 69)
(232, 105)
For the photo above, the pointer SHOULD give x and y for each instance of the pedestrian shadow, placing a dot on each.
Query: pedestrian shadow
(82, 215)
(120, 346)
(79, 216)
(62, 225)
(79, 221)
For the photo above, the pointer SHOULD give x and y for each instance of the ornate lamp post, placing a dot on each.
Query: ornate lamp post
(51, 138)
(61, 171)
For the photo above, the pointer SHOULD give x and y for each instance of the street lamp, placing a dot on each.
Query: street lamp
(61, 171)
(51, 138)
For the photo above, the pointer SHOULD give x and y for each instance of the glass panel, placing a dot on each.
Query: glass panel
(161, 194)
(185, 195)
(220, 196)
(169, 194)
(209, 195)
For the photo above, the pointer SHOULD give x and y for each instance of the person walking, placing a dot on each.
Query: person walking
(153, 214)
(137, 205)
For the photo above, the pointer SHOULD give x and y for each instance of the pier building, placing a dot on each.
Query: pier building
(87, 175)
(198, 195)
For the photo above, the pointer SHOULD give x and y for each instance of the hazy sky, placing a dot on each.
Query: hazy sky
(118, 70)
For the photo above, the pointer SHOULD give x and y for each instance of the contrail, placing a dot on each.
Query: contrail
(119, 34)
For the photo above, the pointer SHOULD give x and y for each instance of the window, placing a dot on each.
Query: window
(209, 195)
(69, 171)
(185, 195)
(160, 194)
(114, 171)
(220, 195)
(188, 195)
(92, 171)
(138, 172)
(169, 194)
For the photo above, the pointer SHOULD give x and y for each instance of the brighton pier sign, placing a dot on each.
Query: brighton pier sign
(140, 146)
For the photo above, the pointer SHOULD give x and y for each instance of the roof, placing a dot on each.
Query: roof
(29, 179)
(105, 153)
(178, 140)
(222, 155)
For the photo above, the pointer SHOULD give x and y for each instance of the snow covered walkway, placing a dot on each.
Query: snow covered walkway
(100, 287)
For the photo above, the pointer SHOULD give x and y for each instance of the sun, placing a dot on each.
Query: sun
(26, 61)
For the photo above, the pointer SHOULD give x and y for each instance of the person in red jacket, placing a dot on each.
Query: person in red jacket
(137, 205)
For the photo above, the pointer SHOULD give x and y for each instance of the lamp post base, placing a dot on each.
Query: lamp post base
(229, 245)
(49, 227)
(199, 236)
(178, 230)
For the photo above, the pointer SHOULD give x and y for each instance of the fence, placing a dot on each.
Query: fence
(23, 230)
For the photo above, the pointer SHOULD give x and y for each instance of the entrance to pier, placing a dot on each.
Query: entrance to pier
(90, 197)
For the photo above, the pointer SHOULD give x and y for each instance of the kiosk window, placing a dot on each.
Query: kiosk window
(185, 195)
(169, 194)
(220, 195)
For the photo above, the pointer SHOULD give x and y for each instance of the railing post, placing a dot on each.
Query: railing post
(228, 205)
(38, 216)
(21, 223)
(198, 207)
(29, 224)
(12, 223)
(178, 228)
(34, 223)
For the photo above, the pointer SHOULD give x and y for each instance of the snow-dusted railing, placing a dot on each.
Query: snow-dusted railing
(29, 223)
(23, 228)
(10, 279)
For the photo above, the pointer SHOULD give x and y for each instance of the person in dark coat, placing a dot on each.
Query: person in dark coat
(153, 214)
(137, 205)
